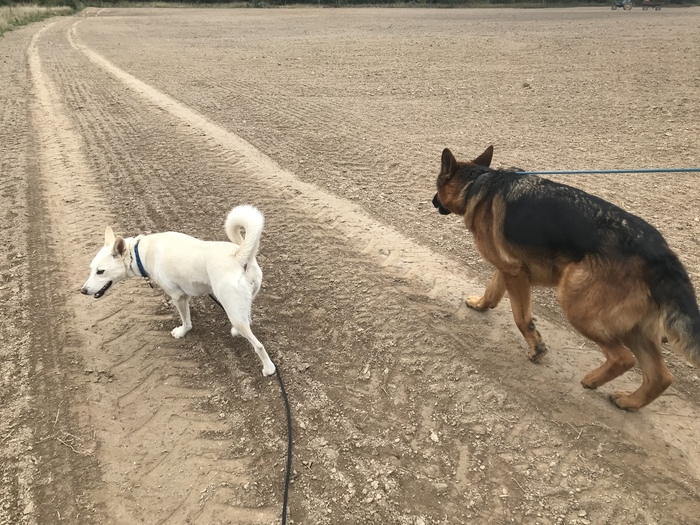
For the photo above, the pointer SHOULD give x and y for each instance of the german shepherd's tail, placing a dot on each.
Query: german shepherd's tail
(680, 315)
(250, 219)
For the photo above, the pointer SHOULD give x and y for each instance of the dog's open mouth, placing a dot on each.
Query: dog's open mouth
(103, 290)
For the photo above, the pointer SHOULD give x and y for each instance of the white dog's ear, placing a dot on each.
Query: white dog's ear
(119, 247)
(109, 237)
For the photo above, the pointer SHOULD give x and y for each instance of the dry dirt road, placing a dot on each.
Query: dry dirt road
(407, 408)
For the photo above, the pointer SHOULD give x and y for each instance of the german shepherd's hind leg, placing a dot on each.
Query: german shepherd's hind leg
(656, 378)
(492, 296)
(618, 360)
(518, 287)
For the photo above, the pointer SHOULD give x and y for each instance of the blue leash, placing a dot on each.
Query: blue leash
(579, 172)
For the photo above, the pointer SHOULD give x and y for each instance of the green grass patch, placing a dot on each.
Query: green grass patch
(167, 4)
(13, 16)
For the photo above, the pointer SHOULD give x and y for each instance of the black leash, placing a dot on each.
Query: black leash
(288, 468)
(213, 298)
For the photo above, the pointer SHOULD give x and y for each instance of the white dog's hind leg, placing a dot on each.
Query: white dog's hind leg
(182, 304)
(243, 328)
(237, 305)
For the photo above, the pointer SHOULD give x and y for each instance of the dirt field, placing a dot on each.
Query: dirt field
(407, 407)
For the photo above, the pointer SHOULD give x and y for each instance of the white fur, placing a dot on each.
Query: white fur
(185, 267)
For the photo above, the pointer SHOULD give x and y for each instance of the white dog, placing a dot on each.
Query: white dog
(186, 267)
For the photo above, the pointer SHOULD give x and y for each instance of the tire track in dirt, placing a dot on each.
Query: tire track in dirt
(63, 436)
(149, 408)
(441, 277)
(17, 467)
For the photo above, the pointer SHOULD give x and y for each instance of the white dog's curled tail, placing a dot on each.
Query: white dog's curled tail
(249, 218)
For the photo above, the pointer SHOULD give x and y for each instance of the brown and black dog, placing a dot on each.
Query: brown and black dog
(617, 280)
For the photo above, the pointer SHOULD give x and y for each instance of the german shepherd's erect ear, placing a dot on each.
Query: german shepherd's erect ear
(449, 163)
(484, 159)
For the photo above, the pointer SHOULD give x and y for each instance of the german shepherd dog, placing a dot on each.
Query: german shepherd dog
(618, 282)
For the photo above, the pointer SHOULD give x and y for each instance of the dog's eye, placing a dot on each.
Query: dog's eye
(100, 272)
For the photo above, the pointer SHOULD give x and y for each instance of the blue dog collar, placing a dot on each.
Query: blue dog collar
(138, 261)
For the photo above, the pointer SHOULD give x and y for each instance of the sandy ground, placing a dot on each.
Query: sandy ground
(407, 407)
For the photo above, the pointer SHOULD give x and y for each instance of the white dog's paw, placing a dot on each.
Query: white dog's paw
(179, 332)
(234, 332)
(268, 369)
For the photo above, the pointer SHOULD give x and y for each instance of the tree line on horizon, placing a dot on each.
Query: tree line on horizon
(336, 3)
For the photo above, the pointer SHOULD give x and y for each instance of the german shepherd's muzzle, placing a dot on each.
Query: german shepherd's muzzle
(441, 209)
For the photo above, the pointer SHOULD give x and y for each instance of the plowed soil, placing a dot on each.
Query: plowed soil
(408, 408)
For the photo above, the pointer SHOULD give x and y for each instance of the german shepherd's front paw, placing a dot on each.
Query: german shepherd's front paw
(538, 353)
(477, 303)
(622, 400)
(587, 383)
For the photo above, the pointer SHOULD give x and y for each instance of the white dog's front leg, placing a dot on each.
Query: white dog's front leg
(182, 304)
